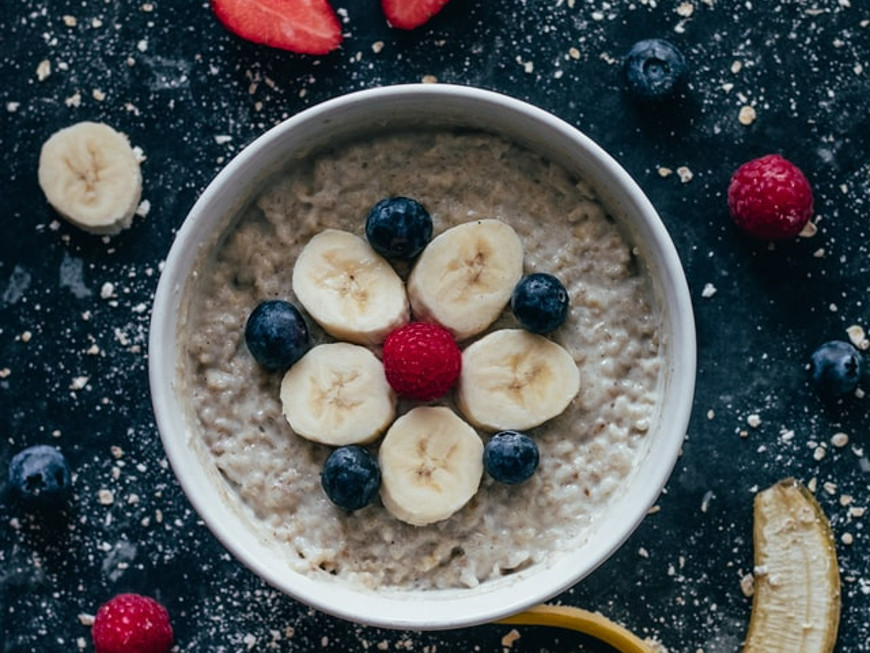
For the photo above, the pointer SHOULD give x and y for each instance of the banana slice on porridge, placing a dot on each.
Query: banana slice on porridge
(349, 289)
(431, 465)
(465, 276)
(513, 379)
(337, 394)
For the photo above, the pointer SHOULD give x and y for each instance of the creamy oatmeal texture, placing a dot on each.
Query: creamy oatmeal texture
(586, 453)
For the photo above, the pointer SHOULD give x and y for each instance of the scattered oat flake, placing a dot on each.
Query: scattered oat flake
(643, 553)
(377, 46)
(685, 9)
(747, 115)
(736, 67)
(847, 538)
(143, 209)
(856, 334)
(754, 420)
(78, 383)
(74, 100)
(810, 229)
(98, 95)
(86, 619)
(508, 640)
(106, 497)
(685, 174)
(220, 139)
(429, 79)
(819, 453)
(665, 172)
(43, 70)
(69, 21)
(839, 440)
(708, 291)
(747, 585)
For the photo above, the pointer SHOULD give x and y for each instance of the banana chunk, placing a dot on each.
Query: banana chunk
(796, 603)
(349, 289)
(464, 278)
(91, 176)
(431, 464)
(337, 394)
(513, 379)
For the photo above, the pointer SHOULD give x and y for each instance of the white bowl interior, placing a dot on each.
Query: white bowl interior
(408, 105)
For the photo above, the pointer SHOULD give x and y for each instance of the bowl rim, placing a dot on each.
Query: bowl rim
(412, 610)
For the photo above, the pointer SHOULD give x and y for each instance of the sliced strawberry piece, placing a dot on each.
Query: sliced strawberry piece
(303, 26)
(408, 14)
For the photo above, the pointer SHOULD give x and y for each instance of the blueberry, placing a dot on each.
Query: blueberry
(654, 69)
(836, 368)
(39, 477)
(398, 227)
(510, 457)
(351, 477)
(276, 334)
(540, 302)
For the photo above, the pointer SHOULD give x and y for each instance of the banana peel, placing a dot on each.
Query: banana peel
(796, 602)
(589, 623)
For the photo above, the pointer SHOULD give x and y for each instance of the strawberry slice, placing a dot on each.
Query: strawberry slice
(408, 14)
(303, 26)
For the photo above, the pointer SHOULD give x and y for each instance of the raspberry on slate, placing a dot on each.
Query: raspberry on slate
(132, 623)
(769, 198)
(421, 361)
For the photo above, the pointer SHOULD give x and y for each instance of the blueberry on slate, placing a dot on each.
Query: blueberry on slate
(654, 69)
(836, 368)
(540, 302)
(39, 477)
(398, 227)
(276, 334)
(351, 477)
(510, 457)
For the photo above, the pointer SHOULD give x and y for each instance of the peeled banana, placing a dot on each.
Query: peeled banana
(796, 602)
(91, 176)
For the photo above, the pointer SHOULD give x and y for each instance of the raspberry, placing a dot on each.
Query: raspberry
(770, 198)
(131, 623)
(421, 360)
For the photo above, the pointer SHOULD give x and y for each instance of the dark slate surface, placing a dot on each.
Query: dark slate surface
(75, 308)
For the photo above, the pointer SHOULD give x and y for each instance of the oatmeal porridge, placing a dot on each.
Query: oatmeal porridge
(586, 453)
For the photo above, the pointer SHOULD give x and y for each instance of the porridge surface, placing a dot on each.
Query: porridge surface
(586, 453)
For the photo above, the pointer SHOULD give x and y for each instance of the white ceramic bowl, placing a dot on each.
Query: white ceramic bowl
(407, 105)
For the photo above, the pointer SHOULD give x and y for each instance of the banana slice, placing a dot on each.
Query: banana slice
(465, 276)
(513, 379)
(337, 394)
(796, 604)
(91, 176)
(431, 465)
(349, 289)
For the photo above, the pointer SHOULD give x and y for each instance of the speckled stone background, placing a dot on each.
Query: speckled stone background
(74, 308)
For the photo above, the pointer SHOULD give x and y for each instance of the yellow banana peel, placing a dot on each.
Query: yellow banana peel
(590, 623)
